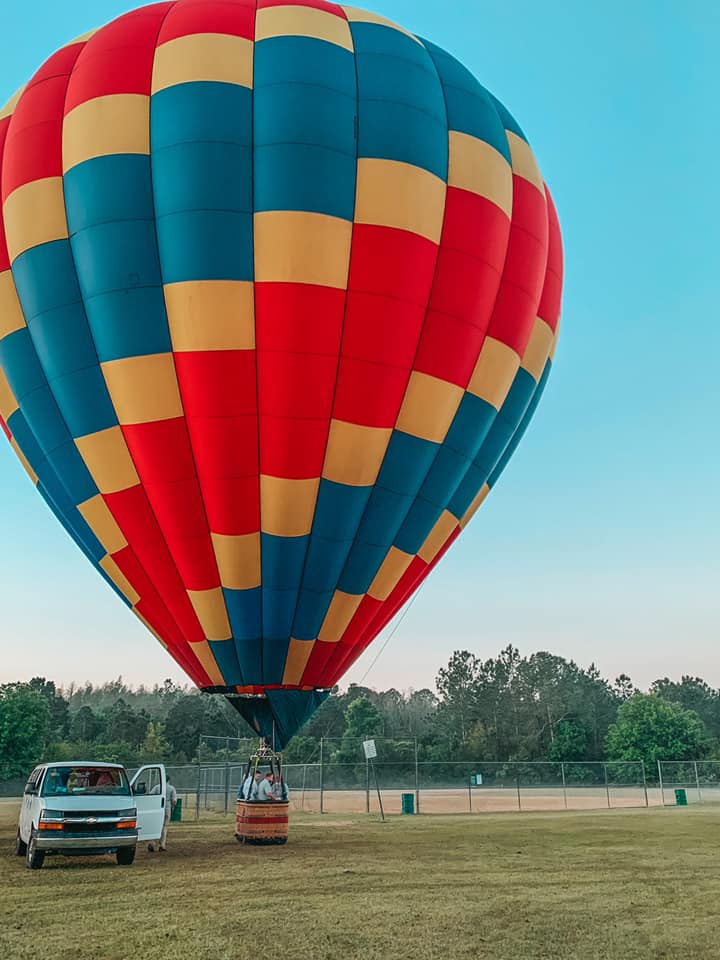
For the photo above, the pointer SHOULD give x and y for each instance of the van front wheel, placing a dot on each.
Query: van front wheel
(125, 856)
(20, 847)
(34, 858)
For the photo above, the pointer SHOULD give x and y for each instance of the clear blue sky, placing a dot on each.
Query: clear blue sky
(601, 541)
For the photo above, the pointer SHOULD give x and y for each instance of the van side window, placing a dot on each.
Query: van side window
(153, 782)
(33, 780)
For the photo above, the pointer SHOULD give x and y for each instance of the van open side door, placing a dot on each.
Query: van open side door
(149, 787)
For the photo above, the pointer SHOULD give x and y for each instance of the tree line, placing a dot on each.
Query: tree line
(505, 708)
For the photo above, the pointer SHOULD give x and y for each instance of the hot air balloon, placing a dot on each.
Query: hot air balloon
(279, 294)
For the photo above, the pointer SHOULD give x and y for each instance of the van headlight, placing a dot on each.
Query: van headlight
(51, 820)
(127, 819)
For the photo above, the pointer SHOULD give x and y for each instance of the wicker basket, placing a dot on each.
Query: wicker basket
(262, 823)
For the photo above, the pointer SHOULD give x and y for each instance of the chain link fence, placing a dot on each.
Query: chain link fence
(466, 787)
(340, 780)
(332, 785)
(699, 779)
(11, 789)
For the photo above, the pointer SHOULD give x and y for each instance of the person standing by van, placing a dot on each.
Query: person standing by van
(170, 801)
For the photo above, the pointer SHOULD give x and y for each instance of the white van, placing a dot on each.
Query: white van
(81, 809)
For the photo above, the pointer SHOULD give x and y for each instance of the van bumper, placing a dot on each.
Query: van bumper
(97, 844)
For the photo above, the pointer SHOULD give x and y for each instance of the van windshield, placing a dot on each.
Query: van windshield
(85, 781)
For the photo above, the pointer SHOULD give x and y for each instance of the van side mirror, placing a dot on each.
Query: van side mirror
(140, 788)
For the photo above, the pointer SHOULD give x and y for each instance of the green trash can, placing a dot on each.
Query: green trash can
(681, 797)
(176, 815)
(408, 803)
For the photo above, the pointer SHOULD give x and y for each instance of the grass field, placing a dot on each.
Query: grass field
(641, 884)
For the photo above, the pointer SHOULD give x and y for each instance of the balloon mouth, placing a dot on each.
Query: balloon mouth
(274, 713)
(262, 691)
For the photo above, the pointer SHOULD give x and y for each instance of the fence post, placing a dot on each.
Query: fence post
(417, 780)
(607, 785)
(517, 784)
(470, 791)
(697, 781)
(227, 786)
(322, 773)
(562, 773)
(197, 793)
(642, 765)
(302, 801)
(377, 787)
(662, 788)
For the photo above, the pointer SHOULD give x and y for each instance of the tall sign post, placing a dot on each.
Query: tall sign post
(370, 751)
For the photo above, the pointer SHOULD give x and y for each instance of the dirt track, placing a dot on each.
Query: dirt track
(459, 800)
(482, 800)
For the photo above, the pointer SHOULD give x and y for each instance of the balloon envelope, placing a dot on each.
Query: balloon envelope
(279, 293)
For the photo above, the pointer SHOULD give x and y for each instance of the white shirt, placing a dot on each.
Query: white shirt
(170, 800)
(265, 789)
(281, 791)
